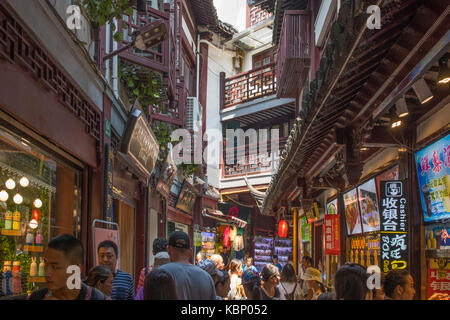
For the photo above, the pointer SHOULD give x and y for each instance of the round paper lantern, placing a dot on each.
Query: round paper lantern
(4, 195)
(18, 199)
(24, 182)
(282, 229)
(37, 203)
(36, 215)
(10, 184)
(33, 224)
(226, 237)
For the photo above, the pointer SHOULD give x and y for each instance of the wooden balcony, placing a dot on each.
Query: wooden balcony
(252, 164)
(294, 53)
(247, 86)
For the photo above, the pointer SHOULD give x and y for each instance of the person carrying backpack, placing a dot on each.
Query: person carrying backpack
(289, 288)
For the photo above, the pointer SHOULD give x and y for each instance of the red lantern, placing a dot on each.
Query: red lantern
(282, 229)
(36, 215)
(226, 237)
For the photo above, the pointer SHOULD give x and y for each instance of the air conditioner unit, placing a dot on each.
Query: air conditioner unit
(194, 114)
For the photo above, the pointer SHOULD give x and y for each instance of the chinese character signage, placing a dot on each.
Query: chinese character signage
(139, 143)
(394, 225)
(232, 210)
(352, 214)
(332, 236)
(438, 276)
(433, 173)
(369, 206)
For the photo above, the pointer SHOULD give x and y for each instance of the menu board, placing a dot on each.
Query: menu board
(370, 216)
(352, 215)
(433, 173)
(208, 243)
(394, 225)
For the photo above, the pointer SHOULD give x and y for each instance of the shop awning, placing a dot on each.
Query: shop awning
(219, 216)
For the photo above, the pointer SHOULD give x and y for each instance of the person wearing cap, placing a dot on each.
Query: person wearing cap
(313, 280)
(192, 283)
(159, 245)
(161, 259)
(221, 278)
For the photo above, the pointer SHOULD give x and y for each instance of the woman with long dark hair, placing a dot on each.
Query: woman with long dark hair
(350, 283)
(159, 285)
(289, 288)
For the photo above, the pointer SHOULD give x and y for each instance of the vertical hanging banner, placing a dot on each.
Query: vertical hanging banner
(394, 225)
(332, 231)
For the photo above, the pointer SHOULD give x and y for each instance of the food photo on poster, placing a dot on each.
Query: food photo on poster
(433, 173)
(369, 207)
(352, 213)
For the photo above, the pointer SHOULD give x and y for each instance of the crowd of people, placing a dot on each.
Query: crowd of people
(173, 277)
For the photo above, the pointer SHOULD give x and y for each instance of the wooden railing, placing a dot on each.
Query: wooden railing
(249, 85)
(294, 53)
(250, 164)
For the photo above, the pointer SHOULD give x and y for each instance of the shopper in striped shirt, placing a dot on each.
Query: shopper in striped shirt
(123, 284)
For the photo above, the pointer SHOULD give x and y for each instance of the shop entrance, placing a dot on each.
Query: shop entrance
(125, 216)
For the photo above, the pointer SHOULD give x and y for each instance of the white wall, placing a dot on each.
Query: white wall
(217, 62)
(248, 59)
(233, 12)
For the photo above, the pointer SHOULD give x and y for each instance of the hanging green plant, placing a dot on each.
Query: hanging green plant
(101, 12)
(142, 85)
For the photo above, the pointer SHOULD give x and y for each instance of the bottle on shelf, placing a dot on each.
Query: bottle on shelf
(8, 220)
(29, 238)
(39, 238)
(33, 267)
(16, 221)
(17, 278)
(41, 268)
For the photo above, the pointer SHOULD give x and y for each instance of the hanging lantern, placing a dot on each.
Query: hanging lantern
(10, 184)
(36, 215)
(233, 233)
(282, 229)
(3, 195)
(226, 237)
(18, 199)
(24, 182)
(37, 203)
(33, 224)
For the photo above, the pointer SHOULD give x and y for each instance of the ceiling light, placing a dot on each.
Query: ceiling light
(402, 107)
(422, 91)
(364, 149)
(444, 70)
(396, 123)
(402, 149)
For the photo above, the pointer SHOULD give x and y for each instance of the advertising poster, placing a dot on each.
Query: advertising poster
(438, 276)
(102, 234)
(369, 206)
(433, 173)
(352, 214)
(394, 225)
(306, 230)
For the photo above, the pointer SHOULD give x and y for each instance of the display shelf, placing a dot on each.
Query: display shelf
(29, 248)
(36, 279)
(14, 233)
(437, 253)
(283, 249)
(263, 252)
